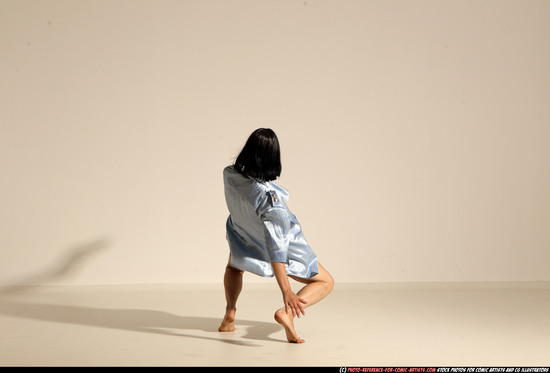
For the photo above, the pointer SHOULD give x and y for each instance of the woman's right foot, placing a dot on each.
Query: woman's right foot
(288, 324)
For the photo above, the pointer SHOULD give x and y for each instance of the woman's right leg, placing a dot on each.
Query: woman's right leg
(315, 289)
(233, 284)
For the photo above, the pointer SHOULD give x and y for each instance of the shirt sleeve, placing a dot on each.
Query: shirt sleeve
(276, 228)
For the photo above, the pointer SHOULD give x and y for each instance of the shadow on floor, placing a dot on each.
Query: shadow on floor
(146, 321)
(73, 259)
(138, 320)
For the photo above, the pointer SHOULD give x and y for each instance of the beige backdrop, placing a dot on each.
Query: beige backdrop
(415, 135)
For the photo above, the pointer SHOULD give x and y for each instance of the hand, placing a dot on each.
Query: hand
(293, 303)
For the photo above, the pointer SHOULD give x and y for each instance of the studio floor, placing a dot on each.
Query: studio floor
(430, 324)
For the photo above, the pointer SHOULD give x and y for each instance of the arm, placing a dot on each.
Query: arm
(277, 225)
(291, 300)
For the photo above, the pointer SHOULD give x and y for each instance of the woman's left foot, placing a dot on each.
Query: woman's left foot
(228, 322)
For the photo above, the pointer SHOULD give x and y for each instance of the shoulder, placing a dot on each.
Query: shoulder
(233, 177)
(254, 192)
(279, 191)
(272, 196)
(229, 170)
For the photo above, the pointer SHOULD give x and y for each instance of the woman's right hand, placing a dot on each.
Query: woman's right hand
(293, 303)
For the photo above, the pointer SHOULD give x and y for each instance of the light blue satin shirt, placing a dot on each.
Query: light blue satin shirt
(261, 229)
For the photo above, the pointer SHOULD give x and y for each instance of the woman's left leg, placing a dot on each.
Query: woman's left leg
(233, 284)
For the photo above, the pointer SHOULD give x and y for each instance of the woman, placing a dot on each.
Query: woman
(264, 237)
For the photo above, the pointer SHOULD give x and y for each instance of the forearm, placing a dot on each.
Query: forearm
(281, 276)
(293, 303)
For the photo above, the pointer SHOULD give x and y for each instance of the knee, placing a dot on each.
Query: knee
(329, 282)
(233, 269)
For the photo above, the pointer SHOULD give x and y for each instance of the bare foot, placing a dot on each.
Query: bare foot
(287, 322)
(228, 322)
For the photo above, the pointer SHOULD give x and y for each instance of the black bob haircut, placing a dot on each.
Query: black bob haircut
(261, 156)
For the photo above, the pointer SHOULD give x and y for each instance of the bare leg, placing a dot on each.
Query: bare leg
(233, 284)
(316, 288)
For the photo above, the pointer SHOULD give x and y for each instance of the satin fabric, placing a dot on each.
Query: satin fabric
(261, 229)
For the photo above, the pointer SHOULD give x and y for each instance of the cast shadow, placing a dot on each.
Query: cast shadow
(66, 266)
(137, 320)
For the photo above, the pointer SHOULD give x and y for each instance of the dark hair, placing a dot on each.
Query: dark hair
(261, 156)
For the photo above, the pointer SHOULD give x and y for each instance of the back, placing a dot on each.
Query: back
(261, 229)
(245, 199)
